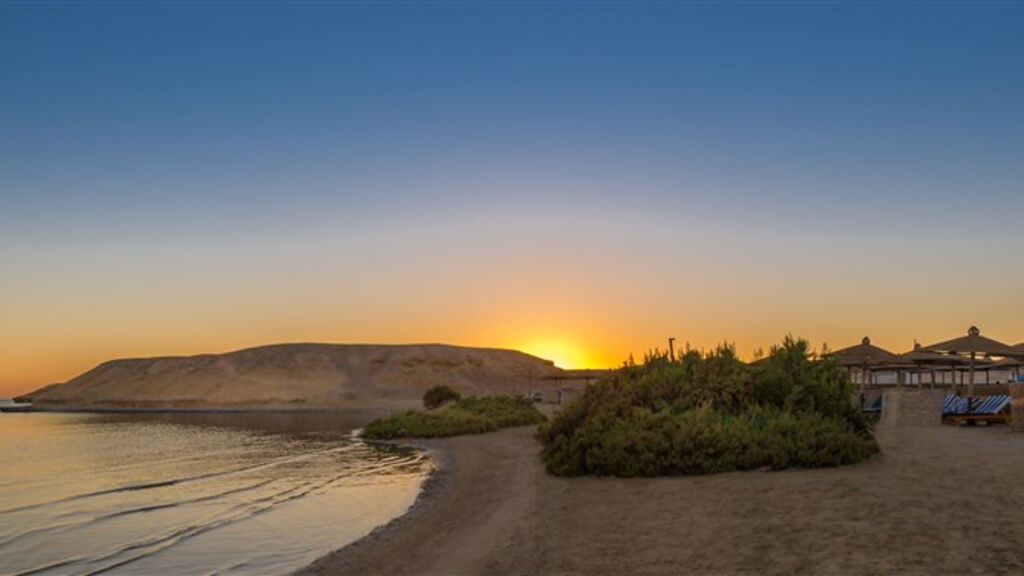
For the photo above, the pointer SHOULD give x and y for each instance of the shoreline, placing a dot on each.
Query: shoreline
(932, 500)
(434, 483)
(482, 484)
(371, 410)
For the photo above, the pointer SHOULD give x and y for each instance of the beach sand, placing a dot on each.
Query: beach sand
(937, 500)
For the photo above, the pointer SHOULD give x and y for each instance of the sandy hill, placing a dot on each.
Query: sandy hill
(299, 376)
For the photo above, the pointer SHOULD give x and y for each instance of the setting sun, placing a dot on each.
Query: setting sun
(563, 354)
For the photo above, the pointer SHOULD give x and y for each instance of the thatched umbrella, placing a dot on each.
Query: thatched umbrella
(1016, 370)
(988, 364)
(1011, 364)
(866, 356)
(923, 358)
(973, 344)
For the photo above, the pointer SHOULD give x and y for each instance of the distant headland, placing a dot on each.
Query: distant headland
(295, 376)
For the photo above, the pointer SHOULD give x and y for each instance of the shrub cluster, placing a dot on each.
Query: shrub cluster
(711, 413)
(466, 416)
(439, 395)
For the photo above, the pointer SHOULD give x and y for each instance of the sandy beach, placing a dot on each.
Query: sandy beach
(936, 501)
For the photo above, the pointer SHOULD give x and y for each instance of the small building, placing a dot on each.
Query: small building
(569, 384)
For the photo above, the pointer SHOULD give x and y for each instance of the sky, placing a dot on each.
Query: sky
(579, 180)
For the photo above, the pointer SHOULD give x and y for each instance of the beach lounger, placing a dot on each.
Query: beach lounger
(873, 405)
(991, 405)
(954, 405)
(989, 409)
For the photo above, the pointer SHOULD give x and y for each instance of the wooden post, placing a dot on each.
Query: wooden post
(970, 381)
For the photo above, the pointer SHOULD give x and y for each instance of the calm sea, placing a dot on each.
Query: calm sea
(190, 493)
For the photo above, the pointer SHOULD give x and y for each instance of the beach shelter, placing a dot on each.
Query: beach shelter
(1020, 361)
(866, 356)
(988, 364)
(924, 359)
(972, 345)
(1012, 364)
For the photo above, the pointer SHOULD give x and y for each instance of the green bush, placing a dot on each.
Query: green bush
(467, 416)
(439, 395)
(711, 413)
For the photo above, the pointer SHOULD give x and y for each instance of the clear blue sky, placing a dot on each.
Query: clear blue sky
(155, 156)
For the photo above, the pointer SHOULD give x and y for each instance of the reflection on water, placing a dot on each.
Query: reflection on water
(193, 493)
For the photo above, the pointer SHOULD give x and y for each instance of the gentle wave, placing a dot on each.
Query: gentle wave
(244, 511)
(311, 486)
(58, 528)
(173, 481)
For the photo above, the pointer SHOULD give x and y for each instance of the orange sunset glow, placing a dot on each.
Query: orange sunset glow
(519, 201)
(47, 340)
(393, 284)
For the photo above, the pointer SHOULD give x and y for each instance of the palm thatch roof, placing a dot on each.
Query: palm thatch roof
(974, 343)
(1018, 360)
(924, 357)
(866, 354)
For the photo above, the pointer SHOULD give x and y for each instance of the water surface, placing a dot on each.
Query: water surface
(190, 493)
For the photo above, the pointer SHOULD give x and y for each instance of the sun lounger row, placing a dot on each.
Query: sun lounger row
(987, 405)
(959, 409)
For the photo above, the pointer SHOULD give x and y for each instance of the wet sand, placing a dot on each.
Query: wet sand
(937, 501)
